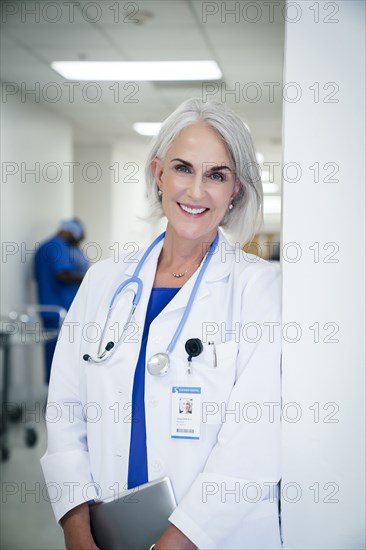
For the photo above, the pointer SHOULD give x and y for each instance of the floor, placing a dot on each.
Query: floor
(26, 517)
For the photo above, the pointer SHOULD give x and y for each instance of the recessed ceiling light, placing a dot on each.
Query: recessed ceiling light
(138, 70)
(147, 128)
(260, 157)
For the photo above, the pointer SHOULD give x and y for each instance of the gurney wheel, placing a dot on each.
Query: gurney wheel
(30, 437)
(4, 453)
(15, 413)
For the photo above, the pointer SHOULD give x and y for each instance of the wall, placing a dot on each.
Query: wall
(323, 280)
(31, 206)
(93, 200)
(129, 230)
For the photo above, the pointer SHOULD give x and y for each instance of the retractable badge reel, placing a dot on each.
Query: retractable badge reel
(194, 348)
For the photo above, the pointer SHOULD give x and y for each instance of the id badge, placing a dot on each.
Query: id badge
(186, 412)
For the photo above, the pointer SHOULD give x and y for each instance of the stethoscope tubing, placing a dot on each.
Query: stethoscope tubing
(135, 276)
(188, 308)
(135, 279)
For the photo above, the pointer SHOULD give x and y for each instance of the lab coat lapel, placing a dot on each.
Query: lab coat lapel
(147, 275)
(219, 267)
(216, 270)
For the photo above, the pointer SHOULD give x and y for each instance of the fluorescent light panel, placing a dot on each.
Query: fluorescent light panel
(147, 128)
(138, 70)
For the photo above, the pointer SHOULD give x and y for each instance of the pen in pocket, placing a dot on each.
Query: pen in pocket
(214, 353)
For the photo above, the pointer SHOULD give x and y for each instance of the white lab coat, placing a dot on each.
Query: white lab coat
(224, 482)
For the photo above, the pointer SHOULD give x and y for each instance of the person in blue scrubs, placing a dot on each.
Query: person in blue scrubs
(60, 267)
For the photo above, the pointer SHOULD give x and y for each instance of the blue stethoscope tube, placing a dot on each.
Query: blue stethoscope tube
(159, 363)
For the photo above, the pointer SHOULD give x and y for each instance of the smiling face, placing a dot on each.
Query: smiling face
(185, 405)
(198, 183)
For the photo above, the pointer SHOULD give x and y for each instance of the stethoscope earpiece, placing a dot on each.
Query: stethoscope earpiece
(108, 347)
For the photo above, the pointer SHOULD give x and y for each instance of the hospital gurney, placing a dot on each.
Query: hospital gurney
(21, 327)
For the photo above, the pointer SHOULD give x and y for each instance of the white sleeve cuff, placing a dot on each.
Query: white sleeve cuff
(218, 510)
(68, 480)
(191, 530)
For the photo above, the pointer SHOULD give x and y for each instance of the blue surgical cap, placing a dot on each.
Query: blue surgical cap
(74, 227)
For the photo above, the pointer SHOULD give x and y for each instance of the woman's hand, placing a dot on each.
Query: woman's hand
(174, 539)
(76, 526)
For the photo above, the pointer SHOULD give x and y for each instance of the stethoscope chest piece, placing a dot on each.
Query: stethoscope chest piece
(158, 364)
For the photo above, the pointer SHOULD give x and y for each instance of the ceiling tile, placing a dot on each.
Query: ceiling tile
(169, 29)
(239, 13)
(43, 37)
(146, 38)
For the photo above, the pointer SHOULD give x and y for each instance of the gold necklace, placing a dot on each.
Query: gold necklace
(180, 275)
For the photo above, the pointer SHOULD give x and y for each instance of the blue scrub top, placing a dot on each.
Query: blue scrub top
(55, 256)
(137, 465)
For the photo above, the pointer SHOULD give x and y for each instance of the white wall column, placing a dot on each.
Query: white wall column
(323, 500)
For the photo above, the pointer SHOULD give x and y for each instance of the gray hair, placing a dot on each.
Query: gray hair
(245, 218)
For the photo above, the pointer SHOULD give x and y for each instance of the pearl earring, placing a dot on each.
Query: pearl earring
(160, 192)
(231, 206)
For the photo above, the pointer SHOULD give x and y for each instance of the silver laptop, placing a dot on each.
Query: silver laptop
(135, 519)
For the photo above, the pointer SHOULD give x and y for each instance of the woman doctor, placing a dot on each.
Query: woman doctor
(111, 419)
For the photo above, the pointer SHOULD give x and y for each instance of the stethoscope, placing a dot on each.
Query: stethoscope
(158, 364)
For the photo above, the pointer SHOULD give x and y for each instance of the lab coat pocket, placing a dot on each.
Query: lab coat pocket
(219, 381)
(224, 354)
